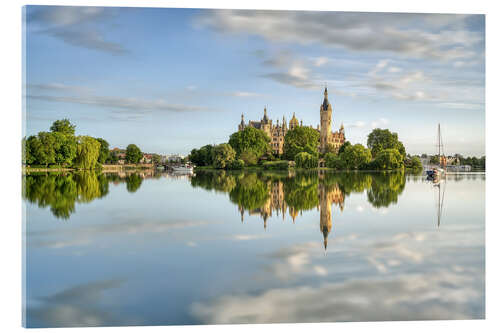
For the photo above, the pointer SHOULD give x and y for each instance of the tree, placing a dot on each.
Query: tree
(104, 154)
(413, 163)
(389, 159)
(344, 146)
(87, 152)
(301, 139)
(434, 159)
(224, 154)
(63, 126)
(133, 154)
(237, 165)
(28, 148)
(43, 149)
(156, 159)
(356, 156)
(334, 162)
(202, 156)
(306, 160)
(249, 157)
(380, 139)
(64, 148)
(250, 140)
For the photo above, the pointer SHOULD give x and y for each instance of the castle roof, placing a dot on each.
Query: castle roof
(325, 104)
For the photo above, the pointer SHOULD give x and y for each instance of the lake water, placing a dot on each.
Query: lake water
(220, 247)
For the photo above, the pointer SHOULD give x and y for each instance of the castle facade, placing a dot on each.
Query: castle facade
(329, 141)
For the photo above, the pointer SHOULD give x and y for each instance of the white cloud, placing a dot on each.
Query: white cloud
(244, 94)
(76, 26)
(403, 34)
(120, 104)
(320, 61)
(248, 237)
(394, 69)
(379, 122)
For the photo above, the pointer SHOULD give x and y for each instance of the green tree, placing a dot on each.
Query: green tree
(301, 139)
(389, 159)
(64, 148)
(334, 161)
(224, 154)
(306, 160)
(249, 157)
(344, 146)
(87, 152)
(250, 140)
(203, 156)
(434, 159)
(28, 148)
(355, 157)
(237, 164)
(413, 163)
(133, 154)
(63, 126)
(156, 159)
(380, 139)
(104, 154)
(44, 148)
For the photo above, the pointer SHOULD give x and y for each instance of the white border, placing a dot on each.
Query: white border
(11, 133)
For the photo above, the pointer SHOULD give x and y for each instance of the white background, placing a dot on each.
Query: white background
(10, 152)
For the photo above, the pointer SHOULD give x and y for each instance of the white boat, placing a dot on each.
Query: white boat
(439, 170)
(183, 168)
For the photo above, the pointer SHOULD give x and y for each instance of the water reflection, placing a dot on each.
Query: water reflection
(264, 193)
(137, 253)
(60, 191)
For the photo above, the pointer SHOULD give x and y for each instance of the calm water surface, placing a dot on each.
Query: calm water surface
(219, 247)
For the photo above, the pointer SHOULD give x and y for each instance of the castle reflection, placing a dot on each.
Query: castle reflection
(277, 205)
(280, 194)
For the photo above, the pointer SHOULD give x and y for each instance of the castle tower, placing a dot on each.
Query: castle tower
(293, 122)
(266, 124)
(326, 122)
(241, 126)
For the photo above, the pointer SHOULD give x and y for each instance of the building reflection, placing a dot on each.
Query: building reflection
(276, 205)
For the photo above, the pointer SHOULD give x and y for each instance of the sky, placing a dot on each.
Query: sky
(170, 80)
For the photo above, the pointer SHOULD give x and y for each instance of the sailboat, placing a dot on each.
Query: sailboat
(439, 170)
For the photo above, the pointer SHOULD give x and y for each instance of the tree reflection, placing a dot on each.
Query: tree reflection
(61, 191)
(385, 188)
(133, 182)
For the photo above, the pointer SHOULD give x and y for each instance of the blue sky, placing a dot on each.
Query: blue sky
(171, 80)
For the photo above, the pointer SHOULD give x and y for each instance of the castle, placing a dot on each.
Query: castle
(328, 141)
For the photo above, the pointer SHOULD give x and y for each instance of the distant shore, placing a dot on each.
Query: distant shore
(104, 168)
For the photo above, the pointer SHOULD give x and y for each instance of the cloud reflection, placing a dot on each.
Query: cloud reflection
(76, 306)
(407, 276)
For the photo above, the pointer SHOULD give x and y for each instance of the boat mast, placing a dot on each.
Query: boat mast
(442, 159)
(439, 142)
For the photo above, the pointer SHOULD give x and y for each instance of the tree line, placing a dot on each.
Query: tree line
(251, 147)
(60, 147)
